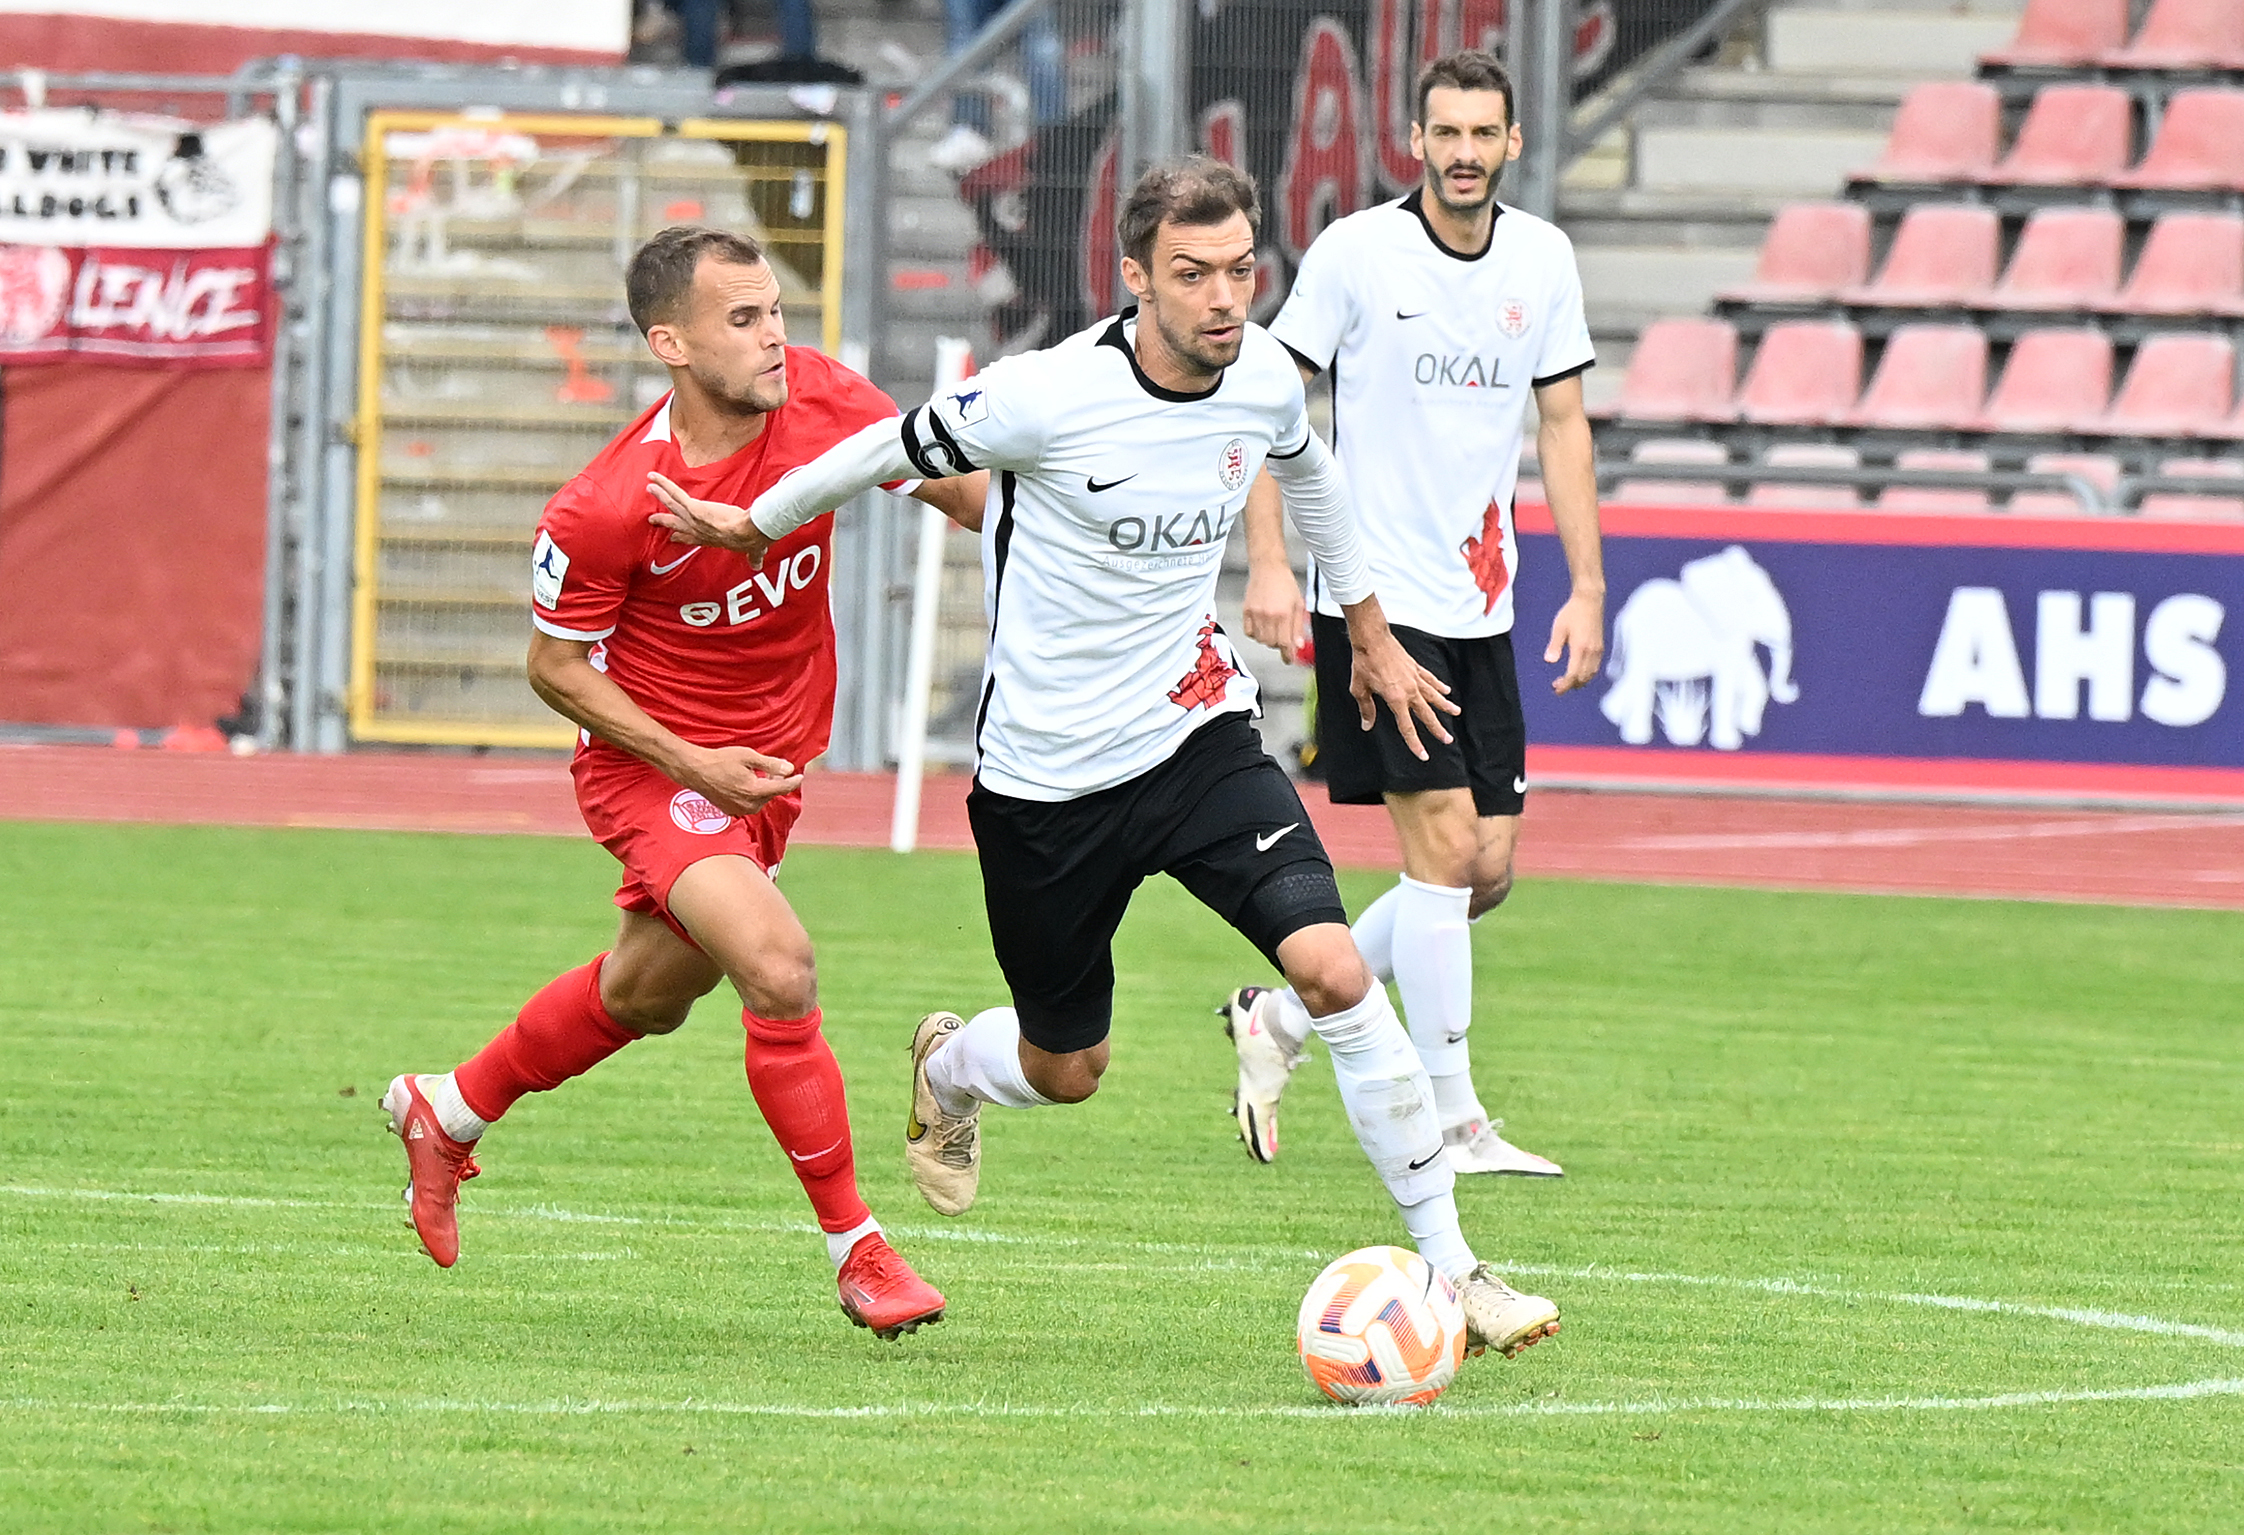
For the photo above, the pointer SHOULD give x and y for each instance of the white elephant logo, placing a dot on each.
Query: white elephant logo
(1685, 652)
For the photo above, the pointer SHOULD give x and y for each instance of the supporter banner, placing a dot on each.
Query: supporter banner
(82, 177)
(1983, 654)
(206, 307)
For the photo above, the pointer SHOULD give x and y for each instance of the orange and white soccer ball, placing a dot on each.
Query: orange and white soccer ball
(1381, 1326)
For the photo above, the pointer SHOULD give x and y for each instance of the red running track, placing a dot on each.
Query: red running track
(2134, 858)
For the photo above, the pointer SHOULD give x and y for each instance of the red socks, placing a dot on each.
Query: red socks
(798, 1085)
(562, 1032)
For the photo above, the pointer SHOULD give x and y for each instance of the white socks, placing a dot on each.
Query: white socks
(459, 1121)
(1441, 1242)
(1374, 933)
(838, 1243)
(1433, 954)
(982, 1063)
(1390, 1104)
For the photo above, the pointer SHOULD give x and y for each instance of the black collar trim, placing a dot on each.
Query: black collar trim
(1415, 203)
(1119, 339)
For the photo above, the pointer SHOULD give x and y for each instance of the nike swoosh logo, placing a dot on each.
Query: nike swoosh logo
(664, 570)
(1414, 314)
(1519, 786)
(814, 1156)
(1421, 1164)
(1091, 483)
(1265, 844)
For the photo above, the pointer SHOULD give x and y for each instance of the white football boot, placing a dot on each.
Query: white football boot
(943, 1150)
(1475, 1147)
(1499, 1317)
(1266, 1061)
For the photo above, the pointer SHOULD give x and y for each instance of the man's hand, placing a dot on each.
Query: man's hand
(1578, 634)
(694, 521)
(1275, 613)
(1382, 669)
(737, 780)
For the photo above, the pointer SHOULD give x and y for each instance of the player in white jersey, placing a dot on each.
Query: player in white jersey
(1438, 314)
(1113, 730)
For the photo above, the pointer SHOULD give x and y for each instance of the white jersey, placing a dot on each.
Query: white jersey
(1110, 502)
(1434, 356)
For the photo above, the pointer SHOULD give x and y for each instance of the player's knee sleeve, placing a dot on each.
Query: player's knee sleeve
(1299, 895)
(782, 1031)
(1389, 1100)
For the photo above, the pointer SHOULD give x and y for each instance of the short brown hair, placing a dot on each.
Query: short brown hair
(661, 271)
(1469, 69)
(1194, 189)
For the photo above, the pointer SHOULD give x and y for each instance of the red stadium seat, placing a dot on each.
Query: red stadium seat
(2073, 135)
(1812, 251)
(1931, 376)
(1943, 254)
(1807, 455)
(2067, 258)
(1682, 370)
(2200, 146)
(1928, 498)
(2098, 469)
(1946, 130)
(2193, 263)
(1806, 373)
(2185, 34)
(2179, 505)
(2064, 34)
(2179, 386)
(2056, 381)
(1664, 450)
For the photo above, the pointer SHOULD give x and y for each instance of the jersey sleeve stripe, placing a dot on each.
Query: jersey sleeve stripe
(560, 633)
(950, 443)
(913, 449)
(1564, 374)
(1296, 450)
(1300, 357)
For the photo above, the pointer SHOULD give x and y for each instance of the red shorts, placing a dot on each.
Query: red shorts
(658, 830)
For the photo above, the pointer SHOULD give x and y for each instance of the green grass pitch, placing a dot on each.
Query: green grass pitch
(1792, 1124)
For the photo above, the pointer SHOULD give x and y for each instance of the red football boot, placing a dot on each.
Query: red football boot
(436, 1165)
(880, 1291)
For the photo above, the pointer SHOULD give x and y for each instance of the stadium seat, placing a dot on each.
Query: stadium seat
(1812, 251)
(1806, 373)
(2073, 135)
(2179, 386)
(1807, 455)
(2200, 146)
(1930, 376)
(1666, 450)
(2063, 34)
(2185, 34)
(2181, 505)
(1946, 130)
(2193, 263)
(1682, 370)
(1928, 498)
(2055, 381)
(2098, 469)
(1944, 254)
(2067, 258)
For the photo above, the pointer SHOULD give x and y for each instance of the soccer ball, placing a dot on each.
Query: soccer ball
(1380, 1326)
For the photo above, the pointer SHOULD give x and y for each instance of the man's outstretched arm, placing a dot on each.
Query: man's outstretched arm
(873, 455)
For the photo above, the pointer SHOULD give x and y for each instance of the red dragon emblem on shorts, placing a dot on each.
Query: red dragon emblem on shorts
(1484, 557)
(1205, 684)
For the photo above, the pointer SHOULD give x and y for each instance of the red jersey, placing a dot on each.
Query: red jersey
(720, 654)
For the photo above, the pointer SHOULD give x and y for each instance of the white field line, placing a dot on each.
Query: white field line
(2180, 1391)
(1918, 836)
(2117, 1321)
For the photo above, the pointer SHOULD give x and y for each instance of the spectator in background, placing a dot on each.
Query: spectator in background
(702, 28)
(1043, 60)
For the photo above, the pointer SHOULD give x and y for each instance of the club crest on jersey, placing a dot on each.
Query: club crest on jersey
(693, 813)
(1232, 467)
(1511, 317)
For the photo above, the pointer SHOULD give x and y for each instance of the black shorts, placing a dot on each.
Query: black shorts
(1219, 817)
(1488, 756)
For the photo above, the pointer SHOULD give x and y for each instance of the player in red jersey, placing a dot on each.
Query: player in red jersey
(701, 686)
